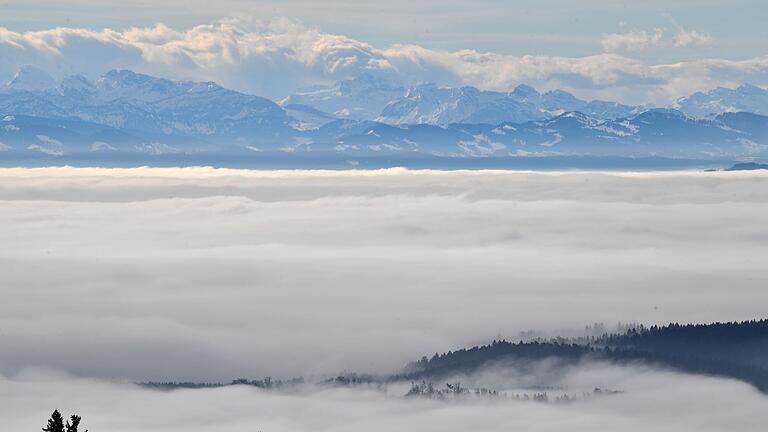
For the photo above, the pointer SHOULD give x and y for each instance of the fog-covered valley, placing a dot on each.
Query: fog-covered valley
(650, 400)
(117, 276)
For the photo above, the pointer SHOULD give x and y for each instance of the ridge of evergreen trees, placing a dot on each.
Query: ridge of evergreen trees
(730, 349)
(456, 391)
(264, 383)
(470, 359)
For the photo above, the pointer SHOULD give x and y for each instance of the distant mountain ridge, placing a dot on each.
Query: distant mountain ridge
(744, 98)
(361, 98)
(155, 110)
(431, 104)
(369, 98)
(127, 112)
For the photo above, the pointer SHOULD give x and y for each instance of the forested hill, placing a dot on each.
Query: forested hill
(471, 359)
(737, 350)
(743, 343)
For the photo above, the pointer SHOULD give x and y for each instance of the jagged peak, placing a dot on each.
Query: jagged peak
(122, 74)
(748, 88)
(127, 78)
(574, 114)
(558, 92)
(524, 90)
(660, 112)
(30, 78)
(76, 82)
(421, 89)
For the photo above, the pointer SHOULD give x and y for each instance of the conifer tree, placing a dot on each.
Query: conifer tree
(72, 427)
(55, 423)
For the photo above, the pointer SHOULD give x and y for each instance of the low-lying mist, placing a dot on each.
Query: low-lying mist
(209, 275)
(648, 399)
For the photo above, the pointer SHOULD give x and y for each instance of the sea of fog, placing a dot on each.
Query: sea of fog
(652, 400)
(111, 276)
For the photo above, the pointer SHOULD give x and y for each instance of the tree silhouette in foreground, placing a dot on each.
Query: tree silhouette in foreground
(56, 423)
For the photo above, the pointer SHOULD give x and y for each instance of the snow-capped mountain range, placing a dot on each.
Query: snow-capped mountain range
(361, 98)
(745, 97)
(124, 112)
(430, 104)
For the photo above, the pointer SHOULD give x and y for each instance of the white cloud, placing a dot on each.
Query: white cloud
(685, 38)
(636, 40)
(278, 57)
(631, 41)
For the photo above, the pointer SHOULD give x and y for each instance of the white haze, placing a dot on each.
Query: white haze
(202, 274)
(651, 400)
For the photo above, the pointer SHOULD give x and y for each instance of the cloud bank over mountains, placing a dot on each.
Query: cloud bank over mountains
(279, 57)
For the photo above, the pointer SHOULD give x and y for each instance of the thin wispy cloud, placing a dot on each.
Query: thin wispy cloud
(632, 40)
(636, 40)
(688, 38)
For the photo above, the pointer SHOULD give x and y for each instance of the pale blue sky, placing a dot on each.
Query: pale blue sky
(545, 27)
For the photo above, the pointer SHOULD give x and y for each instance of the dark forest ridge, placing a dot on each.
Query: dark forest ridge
(733, 349)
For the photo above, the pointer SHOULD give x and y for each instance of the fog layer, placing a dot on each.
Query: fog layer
(651, 400)
(201, 274)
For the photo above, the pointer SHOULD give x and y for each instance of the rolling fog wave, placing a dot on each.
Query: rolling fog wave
(207, 275)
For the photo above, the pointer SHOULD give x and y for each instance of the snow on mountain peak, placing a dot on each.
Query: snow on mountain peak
(748, 88)
(124, 111)
(31, 78)
(359, 98)
(77, 83)
(746, 97)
